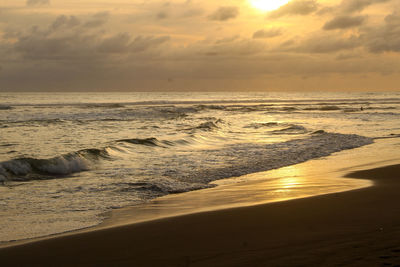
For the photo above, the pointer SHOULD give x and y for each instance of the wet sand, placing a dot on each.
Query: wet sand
(354, 228)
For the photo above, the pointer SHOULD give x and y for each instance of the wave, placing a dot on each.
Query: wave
(160, 186)
(292, 129)
(181, 173)
(3, 107)
(103, 105)
(156, 113)
(266, 100)
(287, 109)
(258, 125)
(123, 114)
(6, 145)
(35, 121)
(388, 137)
(319, 132)
(205, 126)
(208, 126)
(347, 108)
(251, 158)
(147, 142)
(26, 169)
(323, 108)
(298, 107)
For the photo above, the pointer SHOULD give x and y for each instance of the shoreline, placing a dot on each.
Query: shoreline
(166, 206)
(243, 191)
(247, 190)
(355, 227)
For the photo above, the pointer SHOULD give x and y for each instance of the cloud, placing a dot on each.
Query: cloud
(233, 47)
(347, 56)
(64, 21)
(351, 6)
(162, 15)
(37, 2)
(347, 7)
(296, 7)
(142, 43)
(123, 43)
(193, 12)
(228, 39)
(68, 39)
(325, 43)
(384, 38)
(97, 20)
(118, 43)
(344, 22)
(269, 33)
(225, 13)
(129, 47)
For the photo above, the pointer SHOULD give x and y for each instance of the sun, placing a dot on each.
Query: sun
(268, 5)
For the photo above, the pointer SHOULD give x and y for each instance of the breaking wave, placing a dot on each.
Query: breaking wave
(243, 158)
(25, 169)
(250, 158)
(206, 126)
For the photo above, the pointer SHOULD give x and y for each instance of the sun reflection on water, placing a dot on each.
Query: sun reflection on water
(292, 177)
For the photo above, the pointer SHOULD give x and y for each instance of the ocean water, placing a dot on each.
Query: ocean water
(66, 159)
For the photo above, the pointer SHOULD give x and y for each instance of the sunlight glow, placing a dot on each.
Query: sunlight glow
(268, 5)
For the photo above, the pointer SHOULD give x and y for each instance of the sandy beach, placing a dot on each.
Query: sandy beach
(354, 228)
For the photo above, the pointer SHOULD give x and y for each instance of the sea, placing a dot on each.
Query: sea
(66, 159)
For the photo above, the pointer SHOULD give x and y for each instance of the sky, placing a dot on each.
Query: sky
(199, 45)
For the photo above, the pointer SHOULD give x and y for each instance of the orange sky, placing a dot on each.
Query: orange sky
(138, 45)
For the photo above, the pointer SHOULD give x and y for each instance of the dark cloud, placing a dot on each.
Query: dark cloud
(347, 56)
(142, 43)
(326, 44)
(119, 43)
(162, 15)
(64, 21)
(296, 7)
(97, 20)
(344, 22)
(269, 33)
(377, 39)
(37, 45)
(67, 39)
(233, 47)
(193, 12)
(384, 38)
(37, 2)
(171, 11)
(123, 43)
(351, 6)
(348, 7)
(225, 13)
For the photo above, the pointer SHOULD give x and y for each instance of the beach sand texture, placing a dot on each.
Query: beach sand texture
(353, 228)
